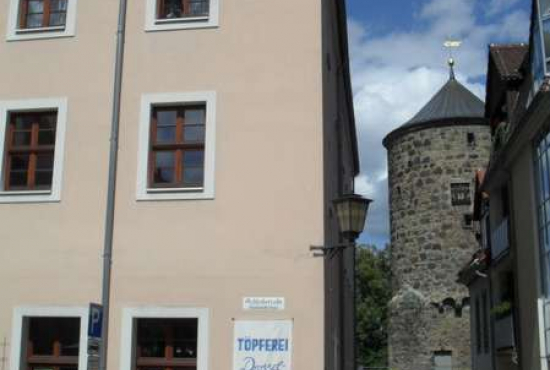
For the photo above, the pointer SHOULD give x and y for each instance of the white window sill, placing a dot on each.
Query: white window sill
(40, 29)
(171, 26)
(185, 23)
(203, 18)
(175, 194)
(31, 196)
(174, 190)
(39, 33)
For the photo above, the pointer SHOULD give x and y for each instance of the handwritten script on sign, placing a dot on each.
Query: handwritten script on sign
(262, 345)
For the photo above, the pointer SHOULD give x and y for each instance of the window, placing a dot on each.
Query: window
(538, 60)
(52, 343)
(52, 338)
(471, 138)
(42, 14)
(177, 142)
(542, 166)
(540, 45)
(460, 194)
(32, 19)
(479, 326)
(485, 310)
(177, 147)
(442, 360)
(167, 344)
(30, 148)
(177, 9)
(180, 14)
(467, 221)
(32, 134)
(164, 338)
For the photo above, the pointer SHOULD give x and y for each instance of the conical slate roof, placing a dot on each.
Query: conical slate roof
(453, 103)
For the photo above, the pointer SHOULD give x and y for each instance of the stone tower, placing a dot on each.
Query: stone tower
(431, 162)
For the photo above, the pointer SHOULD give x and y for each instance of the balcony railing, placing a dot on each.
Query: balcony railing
(499, 239)
(504, 332)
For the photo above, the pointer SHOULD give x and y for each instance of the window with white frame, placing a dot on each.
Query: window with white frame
(164, 338)
(177, 146)
(34, 19)
(180, 14)
(32, 138)
(52, 338)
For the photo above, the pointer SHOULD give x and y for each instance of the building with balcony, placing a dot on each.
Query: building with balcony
(514, 228)
(235, 136)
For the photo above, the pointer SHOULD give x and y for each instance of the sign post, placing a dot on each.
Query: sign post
(95, 323)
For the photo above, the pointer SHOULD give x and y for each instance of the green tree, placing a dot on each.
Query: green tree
(373, 293)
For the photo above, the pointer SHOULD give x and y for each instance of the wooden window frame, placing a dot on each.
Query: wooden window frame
(148, 101)
(179, 147)
(23, 14)
(186, 9)
(33, 150)
(168, 362)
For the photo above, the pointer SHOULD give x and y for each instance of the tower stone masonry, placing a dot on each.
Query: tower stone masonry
(431, 163)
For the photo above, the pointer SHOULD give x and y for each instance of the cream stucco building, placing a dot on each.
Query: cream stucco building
(236, 133)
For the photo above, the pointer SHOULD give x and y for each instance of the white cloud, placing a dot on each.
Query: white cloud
(498, 6)
(394, 75)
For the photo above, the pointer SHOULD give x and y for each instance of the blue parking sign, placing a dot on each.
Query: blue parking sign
(95, 320)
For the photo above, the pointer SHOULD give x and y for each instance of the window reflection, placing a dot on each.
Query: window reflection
(537, 60)
(544, 7)
(177, 146)
(542, 161)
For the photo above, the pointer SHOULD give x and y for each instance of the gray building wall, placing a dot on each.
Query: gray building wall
(430, 242)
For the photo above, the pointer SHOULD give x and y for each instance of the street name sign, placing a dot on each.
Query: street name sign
(264, 303)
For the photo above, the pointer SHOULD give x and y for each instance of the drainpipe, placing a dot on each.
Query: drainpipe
(111, 185)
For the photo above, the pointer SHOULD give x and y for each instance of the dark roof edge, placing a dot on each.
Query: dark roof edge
(344, 53)
(444, 122)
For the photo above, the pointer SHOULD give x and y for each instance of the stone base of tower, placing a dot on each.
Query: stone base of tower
(425, 335)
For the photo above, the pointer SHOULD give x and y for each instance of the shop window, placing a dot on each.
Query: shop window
(51, 343)
(168, 344)
(161, 338)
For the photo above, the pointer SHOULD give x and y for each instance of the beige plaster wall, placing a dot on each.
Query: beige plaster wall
(50, 253)
(253, 239)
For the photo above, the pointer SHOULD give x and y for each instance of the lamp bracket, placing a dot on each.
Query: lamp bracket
(330, 250)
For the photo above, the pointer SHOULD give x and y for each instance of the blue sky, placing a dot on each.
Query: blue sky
(398, 63)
